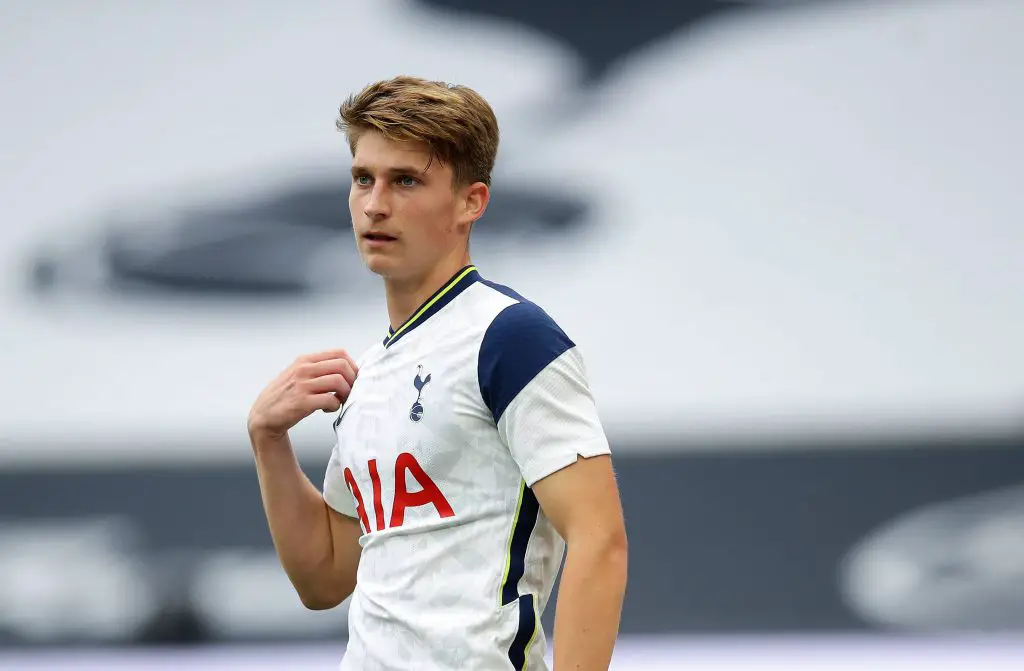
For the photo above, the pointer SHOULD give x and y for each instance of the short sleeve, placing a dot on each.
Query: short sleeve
(533, 381)
(336, 492)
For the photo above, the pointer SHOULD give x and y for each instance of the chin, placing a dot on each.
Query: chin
(381, 264)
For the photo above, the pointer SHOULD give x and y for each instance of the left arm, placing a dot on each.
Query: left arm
(533, 380)
(582, 502)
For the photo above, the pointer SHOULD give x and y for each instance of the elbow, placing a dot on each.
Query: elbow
(615, 554)
(617, 549)
(610, 549)
(613, 542)
(322, 599)
(318, 601)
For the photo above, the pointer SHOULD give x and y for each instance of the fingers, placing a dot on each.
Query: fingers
(325, 378)
(335, 384)
(324, 356)
(341, 367)
(326, 402)
(345, 355)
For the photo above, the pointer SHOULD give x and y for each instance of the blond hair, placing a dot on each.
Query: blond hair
(454, 122)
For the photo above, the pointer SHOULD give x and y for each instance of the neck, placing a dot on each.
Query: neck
(406, 295)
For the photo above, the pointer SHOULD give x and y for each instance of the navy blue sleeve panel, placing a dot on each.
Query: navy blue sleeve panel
(520, 342)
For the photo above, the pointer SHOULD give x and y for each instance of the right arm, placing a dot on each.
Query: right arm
(318, 547)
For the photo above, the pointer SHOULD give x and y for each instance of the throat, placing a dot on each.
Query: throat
(406, 297)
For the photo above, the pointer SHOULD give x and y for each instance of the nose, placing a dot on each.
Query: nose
(377, 206)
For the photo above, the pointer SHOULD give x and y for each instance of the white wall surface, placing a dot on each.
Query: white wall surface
(802, 221)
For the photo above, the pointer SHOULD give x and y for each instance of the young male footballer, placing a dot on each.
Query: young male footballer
(469, 455)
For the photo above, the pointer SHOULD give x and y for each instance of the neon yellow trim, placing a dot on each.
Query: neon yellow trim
(533, 637)
(419, 313)
(508, 545)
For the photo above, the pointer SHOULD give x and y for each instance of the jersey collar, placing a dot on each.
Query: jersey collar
(442, 297)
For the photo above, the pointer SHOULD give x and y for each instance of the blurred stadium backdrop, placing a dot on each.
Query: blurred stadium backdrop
(785, 234)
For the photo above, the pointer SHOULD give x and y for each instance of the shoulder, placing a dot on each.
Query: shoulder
(521, 328)
(521, 341)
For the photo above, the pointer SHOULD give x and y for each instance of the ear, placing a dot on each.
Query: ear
(474, 202)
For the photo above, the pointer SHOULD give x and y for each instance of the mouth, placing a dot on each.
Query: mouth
(378, 237)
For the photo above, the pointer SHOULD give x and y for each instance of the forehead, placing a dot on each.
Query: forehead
(373, 151)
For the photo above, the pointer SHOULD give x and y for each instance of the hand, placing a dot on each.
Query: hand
(313, 382)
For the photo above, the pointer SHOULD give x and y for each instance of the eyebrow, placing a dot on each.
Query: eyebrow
(397, 170)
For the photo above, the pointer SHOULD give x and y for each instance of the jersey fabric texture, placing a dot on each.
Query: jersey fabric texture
(451, 421)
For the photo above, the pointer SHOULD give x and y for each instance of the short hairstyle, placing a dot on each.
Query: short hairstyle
(454, 122)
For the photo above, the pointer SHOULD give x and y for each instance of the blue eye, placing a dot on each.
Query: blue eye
(362, 180)
(407, 181)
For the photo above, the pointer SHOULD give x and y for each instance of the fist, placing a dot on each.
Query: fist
(313, 382)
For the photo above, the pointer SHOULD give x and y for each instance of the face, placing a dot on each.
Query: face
(407, 215)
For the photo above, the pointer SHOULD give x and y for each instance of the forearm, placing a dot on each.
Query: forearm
(298, 519)
(589, 606)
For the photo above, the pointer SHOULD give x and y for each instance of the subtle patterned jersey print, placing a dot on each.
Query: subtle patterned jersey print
(451, 421)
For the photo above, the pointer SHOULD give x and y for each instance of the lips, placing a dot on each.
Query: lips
(379, 237)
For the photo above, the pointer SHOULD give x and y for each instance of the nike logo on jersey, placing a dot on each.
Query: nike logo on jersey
(341, 413)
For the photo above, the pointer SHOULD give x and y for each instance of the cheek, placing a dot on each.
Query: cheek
(442, 214)
(357, 206)
(425, 216)
(444, 227)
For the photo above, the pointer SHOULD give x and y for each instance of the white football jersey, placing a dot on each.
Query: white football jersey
(451, 421)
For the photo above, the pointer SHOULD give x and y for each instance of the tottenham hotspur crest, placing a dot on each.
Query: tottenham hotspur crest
(416, 412)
